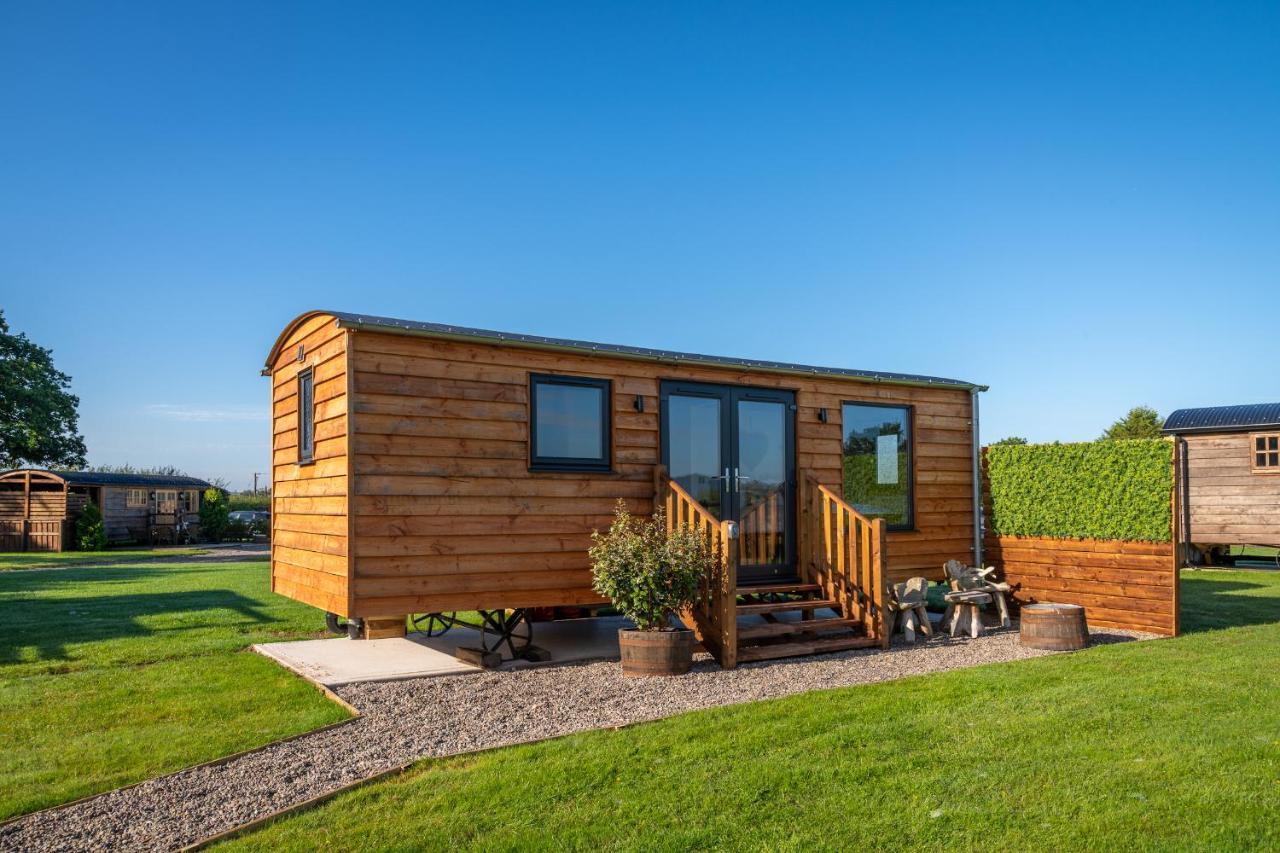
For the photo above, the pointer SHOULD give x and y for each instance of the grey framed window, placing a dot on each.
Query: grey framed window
(569, 423)
(306, 418)
(879, 469)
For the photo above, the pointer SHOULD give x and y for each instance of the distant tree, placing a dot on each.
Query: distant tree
(1013, 439)
(1140, 422)
(39, 424)
(213, 515)
(91, 533)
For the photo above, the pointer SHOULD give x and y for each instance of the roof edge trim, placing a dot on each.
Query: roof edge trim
(414, 329)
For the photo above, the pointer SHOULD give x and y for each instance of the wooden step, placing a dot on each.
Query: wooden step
(812, 647)
(787, 629)
(778, 587)
(778, 606)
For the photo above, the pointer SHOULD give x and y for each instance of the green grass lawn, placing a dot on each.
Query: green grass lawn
(13, 560)
(121, 672)
(1170, 744)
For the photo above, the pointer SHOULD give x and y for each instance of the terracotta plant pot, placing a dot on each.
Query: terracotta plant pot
(655, 652)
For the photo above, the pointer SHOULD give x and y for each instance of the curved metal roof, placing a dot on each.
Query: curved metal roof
(440, 330)
(99, 478)
(1223, 419)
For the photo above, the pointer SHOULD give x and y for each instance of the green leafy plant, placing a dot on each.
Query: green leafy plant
(1013, 439)
(647, 572)
(213, 515)
(91, 533)
(1094, 490)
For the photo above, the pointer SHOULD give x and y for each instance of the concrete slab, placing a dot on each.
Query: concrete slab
(343, 661)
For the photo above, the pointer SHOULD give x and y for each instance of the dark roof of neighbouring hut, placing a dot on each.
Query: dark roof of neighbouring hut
(100, 478)
(1224, 419)
(438, 330)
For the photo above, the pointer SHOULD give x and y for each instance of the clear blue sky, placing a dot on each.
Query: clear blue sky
(1077, 204)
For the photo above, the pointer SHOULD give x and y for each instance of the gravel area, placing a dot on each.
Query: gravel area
(418, 718)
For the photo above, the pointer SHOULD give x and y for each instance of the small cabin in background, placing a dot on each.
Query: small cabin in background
(1230, 474)
(38, 508)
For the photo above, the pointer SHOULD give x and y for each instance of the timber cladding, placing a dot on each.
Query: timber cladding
(1132, 585)
(421, 497)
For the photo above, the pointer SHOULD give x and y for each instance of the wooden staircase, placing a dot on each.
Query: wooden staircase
(787, 620)
(837, 604)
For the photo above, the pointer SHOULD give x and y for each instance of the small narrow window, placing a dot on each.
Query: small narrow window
(569, 423)
(1266, 453)
(306, 418)
(136, 498)
(878, 474)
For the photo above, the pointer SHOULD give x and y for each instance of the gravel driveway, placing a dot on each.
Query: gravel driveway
(407, 720)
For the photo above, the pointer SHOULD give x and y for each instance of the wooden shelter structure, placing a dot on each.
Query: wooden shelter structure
(422, 468)
(38, 508)
(1229, 470)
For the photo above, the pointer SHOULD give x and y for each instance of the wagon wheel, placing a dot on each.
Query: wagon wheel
(432, 624)
(505, 627)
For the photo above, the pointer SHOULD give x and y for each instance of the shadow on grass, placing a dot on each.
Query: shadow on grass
(38, 580)
(50, 625)
(1211, 601)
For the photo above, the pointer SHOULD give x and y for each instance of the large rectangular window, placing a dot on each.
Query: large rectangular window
(569, 423)
(306, 418)
(878, 472)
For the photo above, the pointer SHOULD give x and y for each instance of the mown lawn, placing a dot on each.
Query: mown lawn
(120, 672)
(1170, 744)
(11, 560)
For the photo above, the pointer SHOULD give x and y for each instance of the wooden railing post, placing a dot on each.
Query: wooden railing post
(878, 590)
(728, 598)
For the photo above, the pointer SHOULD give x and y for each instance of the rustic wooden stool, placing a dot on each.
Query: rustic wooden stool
(964, 612)
(908, 599)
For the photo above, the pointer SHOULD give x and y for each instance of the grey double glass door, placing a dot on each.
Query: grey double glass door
(733, 449)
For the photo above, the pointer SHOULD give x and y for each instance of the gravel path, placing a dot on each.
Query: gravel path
(407, 720)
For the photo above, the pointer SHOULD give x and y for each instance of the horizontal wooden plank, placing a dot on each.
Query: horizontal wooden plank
(320, 543)
(489, 525)
(507, 581)
(430, 565)
(333, 525)
(381, 546)
(484, 506)
(601, 485)
(327, 563)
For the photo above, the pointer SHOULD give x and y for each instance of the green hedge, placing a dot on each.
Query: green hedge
(1096, 490)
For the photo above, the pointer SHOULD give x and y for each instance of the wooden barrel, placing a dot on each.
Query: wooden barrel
(1058, 627)
(655, 652)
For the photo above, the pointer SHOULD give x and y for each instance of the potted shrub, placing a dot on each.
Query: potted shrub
(650, 575)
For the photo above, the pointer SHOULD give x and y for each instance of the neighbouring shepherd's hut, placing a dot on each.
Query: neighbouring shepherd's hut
(38, 508)
(1230, 474)
(423, 469)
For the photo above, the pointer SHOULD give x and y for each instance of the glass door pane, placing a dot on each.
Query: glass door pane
(761, 479)
(694, 451)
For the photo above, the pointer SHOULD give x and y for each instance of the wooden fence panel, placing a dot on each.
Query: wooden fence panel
(1131, 585)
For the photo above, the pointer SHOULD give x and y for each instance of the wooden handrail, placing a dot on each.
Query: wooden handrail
(714, 616)
(843, 551)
